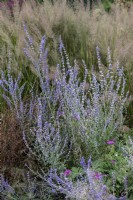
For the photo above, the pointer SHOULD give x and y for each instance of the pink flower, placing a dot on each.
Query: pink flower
(67, 172)
(97, 175)
(113, 161)
(110, 142)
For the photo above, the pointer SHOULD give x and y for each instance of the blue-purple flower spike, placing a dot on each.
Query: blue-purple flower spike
(42, 45)
(83, 163)
(89, 162)
(61, 45)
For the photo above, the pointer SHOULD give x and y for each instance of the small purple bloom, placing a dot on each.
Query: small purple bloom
(67, 172)
(110, 142)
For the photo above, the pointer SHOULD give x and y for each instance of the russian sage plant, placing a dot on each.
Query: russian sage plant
(66, 113)
(105, 105)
